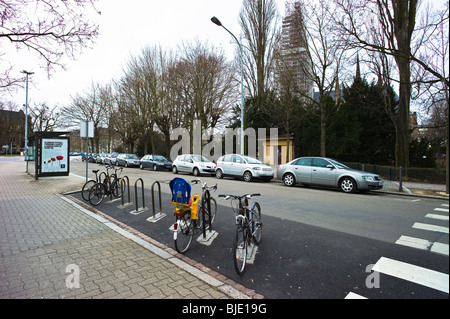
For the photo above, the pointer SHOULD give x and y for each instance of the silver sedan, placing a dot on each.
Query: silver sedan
(327, 172)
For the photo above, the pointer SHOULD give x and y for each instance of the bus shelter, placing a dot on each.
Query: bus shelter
(48, 154)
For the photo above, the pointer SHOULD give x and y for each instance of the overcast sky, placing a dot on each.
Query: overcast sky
(125, 28)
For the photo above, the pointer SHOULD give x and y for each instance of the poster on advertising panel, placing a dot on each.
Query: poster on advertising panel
(54, 157)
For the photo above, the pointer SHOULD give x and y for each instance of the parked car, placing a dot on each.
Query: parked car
(128, 160)
(111, 159)
(90, 156)
(247, 167)
(101, 158)
(155, 162)
(192, 163)
(327, 172)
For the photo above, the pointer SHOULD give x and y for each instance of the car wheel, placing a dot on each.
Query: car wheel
(347, 185)
(289, 180)
(126, 164)
(247, 176)
(174, 170)
(196, 172)
(219, 174)
(155, 168)
(141, 166)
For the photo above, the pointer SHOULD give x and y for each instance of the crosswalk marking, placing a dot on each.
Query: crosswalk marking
(352, 295)
(413, 242)
(431, 227)
(422, 276)
(437, 216)
(445, 210)
(424, 244)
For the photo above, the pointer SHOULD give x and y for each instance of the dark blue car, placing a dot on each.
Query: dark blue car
(155, 162)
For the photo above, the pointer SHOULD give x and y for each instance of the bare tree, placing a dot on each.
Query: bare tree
(210, 89)
(259, 22)
(51, 29)
(88, 106)
(44, 118)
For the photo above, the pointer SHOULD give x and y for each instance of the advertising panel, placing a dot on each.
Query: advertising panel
(54, 157)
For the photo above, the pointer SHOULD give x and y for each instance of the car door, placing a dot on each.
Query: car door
(238, 165)
(225, 164)
(302, 169)
(183, 163)
(322, 174)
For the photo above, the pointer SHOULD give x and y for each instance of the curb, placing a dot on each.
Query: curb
(229, 287)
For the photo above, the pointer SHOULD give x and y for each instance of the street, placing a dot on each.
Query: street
(317, 243)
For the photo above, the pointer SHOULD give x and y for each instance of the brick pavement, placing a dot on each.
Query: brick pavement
(49, 244)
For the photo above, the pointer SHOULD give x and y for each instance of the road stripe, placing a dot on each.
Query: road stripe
(445, 210)
(419, 275)
(437, 216)
(445, 205)
(431, 227)
(440, 248)
(352, 295)
(414, 242)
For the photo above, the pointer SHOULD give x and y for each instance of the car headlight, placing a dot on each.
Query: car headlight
(368, 178)
(256, 168)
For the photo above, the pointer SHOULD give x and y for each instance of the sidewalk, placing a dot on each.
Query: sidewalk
(51, 247)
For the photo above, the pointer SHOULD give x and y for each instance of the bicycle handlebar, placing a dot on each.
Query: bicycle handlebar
(238, 197)
(196, 181)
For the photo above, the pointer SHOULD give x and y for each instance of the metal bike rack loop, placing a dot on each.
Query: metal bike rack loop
(138, 211)
(125, 180)
(160, 214)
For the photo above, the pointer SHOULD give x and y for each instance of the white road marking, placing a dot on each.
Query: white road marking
(445, 210)
(437, 216)
(352, 295)
(419, 275)
(431, 227)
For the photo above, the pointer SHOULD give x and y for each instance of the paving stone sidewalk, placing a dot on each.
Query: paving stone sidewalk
(52, 248)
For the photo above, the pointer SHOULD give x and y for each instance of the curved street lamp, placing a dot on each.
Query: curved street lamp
(217, 22)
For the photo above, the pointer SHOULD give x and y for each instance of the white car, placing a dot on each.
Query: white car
(243, 166)
(192, 163)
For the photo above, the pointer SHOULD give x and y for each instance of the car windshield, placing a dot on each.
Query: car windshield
(133, 157)
(251, 160)
(159, 158)
(337, 164)
(198, 158)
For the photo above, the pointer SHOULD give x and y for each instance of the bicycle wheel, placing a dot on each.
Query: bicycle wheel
(116, 188)
(208, 215)
(96, 194)
(240, 249)
(185, 233)
(256, 223)
(86, 188)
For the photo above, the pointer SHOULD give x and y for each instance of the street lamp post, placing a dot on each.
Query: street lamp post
(217, 22)
(26, 116)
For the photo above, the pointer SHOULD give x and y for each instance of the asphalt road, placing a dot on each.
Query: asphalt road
(317, 243)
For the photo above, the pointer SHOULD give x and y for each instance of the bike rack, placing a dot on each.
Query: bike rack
(125, 180)
(143, 209)
(160, 214)
(206, 238)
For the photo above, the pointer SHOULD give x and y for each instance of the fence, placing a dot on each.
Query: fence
(427, 175)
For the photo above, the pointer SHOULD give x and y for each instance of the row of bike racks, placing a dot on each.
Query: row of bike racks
(125, 190)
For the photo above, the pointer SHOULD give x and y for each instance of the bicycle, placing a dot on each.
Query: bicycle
(209, 215)
(248, 226)
(88, 185)
(186, 213)
(109, 185)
